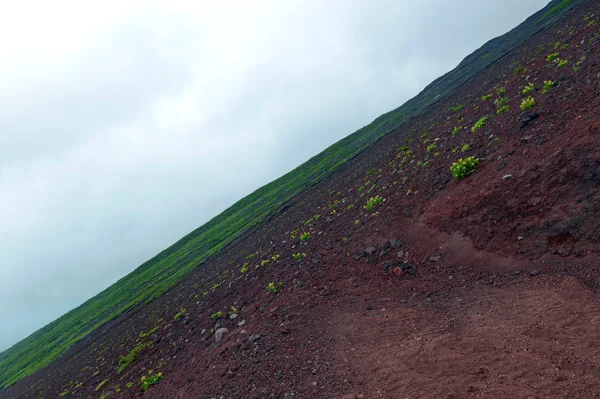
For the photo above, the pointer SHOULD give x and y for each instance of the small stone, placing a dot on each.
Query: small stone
(398, 272)
(400, 254)
(506, 177)
(233, 316)
(388, 265)
(535, 272)
(520, 238)
(436, 258)
(370, 250)
(241, 323)
(254, 337)
(220, 334)
(203, 331)
(396, 243)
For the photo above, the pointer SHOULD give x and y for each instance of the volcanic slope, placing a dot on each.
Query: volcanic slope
(171, 266)
(391, 279)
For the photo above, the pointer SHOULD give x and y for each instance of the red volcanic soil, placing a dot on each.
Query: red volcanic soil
(484, 287)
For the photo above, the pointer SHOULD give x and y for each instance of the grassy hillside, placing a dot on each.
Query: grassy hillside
(157, 275)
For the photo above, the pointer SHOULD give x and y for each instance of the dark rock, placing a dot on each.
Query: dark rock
(535, 272)
(528, 118)
(254, 337)
(396, 243)
(436, 258)
(388, 265)
(370, 250)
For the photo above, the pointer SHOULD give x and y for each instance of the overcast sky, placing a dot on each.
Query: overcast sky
(124, 125)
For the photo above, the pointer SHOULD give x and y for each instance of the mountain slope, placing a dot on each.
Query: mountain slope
(168, 268)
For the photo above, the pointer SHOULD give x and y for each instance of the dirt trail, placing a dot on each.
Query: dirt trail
(536, 340)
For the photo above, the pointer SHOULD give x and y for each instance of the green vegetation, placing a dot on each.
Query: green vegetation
(552, 57)
(479, 124)
(457, 108)
(560, 62)
(503, 109)
(180, 314)
(129, 358)
(486, 97)
(431, 147)
(216, 315)
(370, 171)
(502, 101)
(373, 202)
(465, 148)
(529, 88)
(244, 268)
(527, 103)
(518, 70)
(548, 84)
(554, 10)
(99, 387)
(501, 91)
(464, 166)
(297, 256)
(148, 381)
(274, 287)
(456, 130)
(305, 236)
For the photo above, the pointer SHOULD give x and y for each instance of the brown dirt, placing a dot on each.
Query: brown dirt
(494, 296)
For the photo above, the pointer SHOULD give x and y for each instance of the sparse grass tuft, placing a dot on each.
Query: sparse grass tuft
(148, 381)
(464, 166)
(479, 124)
(527, 103)
(373, 202)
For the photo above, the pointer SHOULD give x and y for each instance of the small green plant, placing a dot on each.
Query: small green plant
(129, 384)
(552, 57)
(148, 381)
(180, 314)
(431, 147)
(457, 108)
(274, 287)
(370, 171)
(99, 386)
(305, 236)
(464, 166)
(456, 130)
(244, 268)
(479, 124)
(501, 101)
(527, 103)
(501, 91)
(351, 206)
(503, 109)
(561, 63)
(233, 309)
(565, 46)
(129, 358)
(529, 88)
(275, 257)
(486, 97)
(518, 70)
(548, 84)
(297, 256)
(373, 202)
(465, 148)
(264, 262)
(216, 315)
